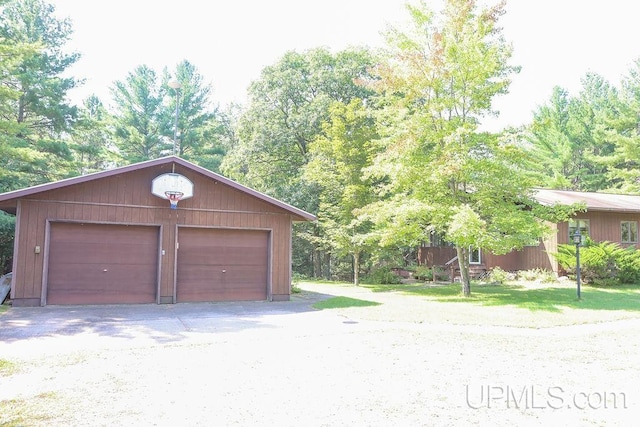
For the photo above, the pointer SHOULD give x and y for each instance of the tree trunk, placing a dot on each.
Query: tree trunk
(317, 264)
(327, 266)
(356, 268)
(463, 262)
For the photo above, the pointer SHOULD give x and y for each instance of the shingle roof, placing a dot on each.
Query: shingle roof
(7, 200)
(593, 201)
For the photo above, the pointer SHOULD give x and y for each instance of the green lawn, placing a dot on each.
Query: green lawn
(526, 305)
(343, 302)
(551, 298)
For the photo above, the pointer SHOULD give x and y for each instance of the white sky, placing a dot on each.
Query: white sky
(229, 42)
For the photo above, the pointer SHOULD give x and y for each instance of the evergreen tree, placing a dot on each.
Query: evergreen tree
(137, 129)
(203, 130)
(35, 111)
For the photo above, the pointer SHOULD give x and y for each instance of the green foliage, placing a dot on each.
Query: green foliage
(382, 276)
(441, 173)
(34, 110)
(623, 132)
(7, 227)
(569, 136)
(602, 263)
(336, 166)
(422, 272)
(537, 275)
(498, 275)
(303, 100)
(427, 273)
(144, 118)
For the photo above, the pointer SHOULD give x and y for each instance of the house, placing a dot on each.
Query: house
(162, 231)
(608, 217)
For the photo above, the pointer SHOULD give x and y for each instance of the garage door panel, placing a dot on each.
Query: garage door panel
(95, 233)
(224, 256)
(222, 265)
(92, 296)
(230, 276)
(114, 276)
(111, 254)
(206, 291)
(97, 253)
(203, 237)
(102, 264)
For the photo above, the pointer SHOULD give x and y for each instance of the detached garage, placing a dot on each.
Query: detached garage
(162, 231)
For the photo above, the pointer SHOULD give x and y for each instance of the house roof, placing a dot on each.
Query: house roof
(607, 202)
(8, 201)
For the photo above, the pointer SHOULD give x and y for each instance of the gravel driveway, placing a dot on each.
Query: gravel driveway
(287, 364)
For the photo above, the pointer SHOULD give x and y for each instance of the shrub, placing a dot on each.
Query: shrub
(382, 276)
(603, 263)
(423, 273)
(537, 274)
(498, 275)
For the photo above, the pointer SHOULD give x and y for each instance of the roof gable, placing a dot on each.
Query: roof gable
(8, 200)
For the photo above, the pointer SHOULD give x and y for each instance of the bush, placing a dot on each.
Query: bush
(382, 276)
(537, 275)
(422, 273)
(603, 263)
(498, 275)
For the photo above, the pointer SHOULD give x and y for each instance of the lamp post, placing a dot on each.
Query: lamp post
(175, 85)
(577, 240)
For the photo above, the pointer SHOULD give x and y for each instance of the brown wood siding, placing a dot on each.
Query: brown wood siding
(528, 258)
(127, 198)
(603, 226)
(102, 264)
(435, 255)
(222, 264)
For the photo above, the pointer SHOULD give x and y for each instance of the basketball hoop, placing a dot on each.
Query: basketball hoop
(173, 187)
(174, 197)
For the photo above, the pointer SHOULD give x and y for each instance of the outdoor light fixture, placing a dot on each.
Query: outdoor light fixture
(577, 240)
(175, 85)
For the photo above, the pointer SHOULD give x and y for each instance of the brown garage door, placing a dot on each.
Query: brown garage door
(102, 264)
(222, 265)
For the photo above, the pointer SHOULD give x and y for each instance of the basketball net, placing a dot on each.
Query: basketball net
(174, 197)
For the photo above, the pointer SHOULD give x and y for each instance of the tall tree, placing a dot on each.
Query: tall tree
(145, 117)
(288, 106)
(445, 175)
(137, 128)
(90, 140)
(624, 134)
(203, 131)
(36, 89)
(338, 160)
(570, 136)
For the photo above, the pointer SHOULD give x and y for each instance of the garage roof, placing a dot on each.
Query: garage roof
(8, 201)
(594, 201)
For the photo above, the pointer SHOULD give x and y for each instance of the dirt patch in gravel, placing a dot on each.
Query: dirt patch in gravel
(287, 364)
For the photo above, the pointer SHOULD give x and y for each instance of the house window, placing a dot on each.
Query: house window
(474, 255)
(578, 224)
(629, 231)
